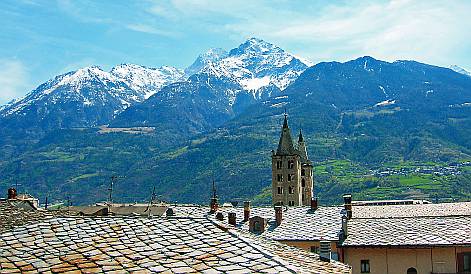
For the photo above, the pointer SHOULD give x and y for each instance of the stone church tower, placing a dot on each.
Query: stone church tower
(292, 178)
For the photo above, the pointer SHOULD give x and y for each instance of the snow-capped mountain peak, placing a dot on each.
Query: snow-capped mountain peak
(256, 64)
(146, 81)
(91, 86)
(210, 56)
(460, 70)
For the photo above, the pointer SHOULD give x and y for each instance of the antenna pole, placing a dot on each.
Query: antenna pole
(110, 189)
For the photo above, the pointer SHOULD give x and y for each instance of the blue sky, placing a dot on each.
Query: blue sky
(41, 39)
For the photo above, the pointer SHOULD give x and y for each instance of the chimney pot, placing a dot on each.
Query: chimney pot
(246, 211)
(347, 199)
(214, 205)
(232, 218)
(314, 203)
(169, 212)
(324, 251)
(11, 193)
(278, 215)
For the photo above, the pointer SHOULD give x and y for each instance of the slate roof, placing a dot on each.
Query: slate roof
(123, 210)
(420, 231)
(149, 245)
(299, 223)
(13, 214)
(446, 224)
(417, 210)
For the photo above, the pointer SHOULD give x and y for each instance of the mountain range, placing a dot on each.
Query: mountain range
(220, 117)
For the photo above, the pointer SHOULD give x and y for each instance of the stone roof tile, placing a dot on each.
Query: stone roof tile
(177, 245)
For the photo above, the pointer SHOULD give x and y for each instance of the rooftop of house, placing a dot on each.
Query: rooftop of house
(398, 225)
(413, 210)
(177, 245)
(299, 223)
(15, 213)
(120, 209)
(446, 224)
(404, 231)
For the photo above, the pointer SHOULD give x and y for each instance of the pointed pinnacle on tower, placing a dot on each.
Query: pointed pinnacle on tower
(285, 122)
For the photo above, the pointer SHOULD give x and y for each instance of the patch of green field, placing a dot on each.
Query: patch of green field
(85, 176)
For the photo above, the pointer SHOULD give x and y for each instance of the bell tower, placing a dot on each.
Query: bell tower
(291, 171)
(307, 179)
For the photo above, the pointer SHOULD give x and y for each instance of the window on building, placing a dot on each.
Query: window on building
(280, 190)
(303, 183)
(365, 266)
(291, 203)
(411, 271)
(303, 172)
(467, 262)
(279, 177)
(279, 164)
(315, 249)
(290, 177)
(291, 190)
(303, 197)
(464, 262)
(290, 164)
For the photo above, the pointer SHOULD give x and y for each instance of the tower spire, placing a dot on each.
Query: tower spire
(285, 122)
(285, 145)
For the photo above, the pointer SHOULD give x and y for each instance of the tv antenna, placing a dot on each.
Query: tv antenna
(114, 180)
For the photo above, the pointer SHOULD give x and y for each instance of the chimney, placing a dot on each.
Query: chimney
(219, 216)
(232, 218)
(324, 251)
(278, 215)
(11, 193)
(246, 211)
(344, 227)
(169, 212)
(214, 204)
(347, 200)
(314, 203)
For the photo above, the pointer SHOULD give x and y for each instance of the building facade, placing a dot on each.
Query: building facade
(292, 176)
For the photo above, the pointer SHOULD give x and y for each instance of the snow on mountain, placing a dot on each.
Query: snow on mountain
(460, 70)
(147, 81)
(210, 56)
(256, 64)
(123, 86)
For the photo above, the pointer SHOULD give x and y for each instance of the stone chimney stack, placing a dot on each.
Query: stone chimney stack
(344, 227)
(347, 200)
(214, 204)
(246, 211)
(278, 215)
(324, 251)
(232, 218)
(314, 203)
(11, 193)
